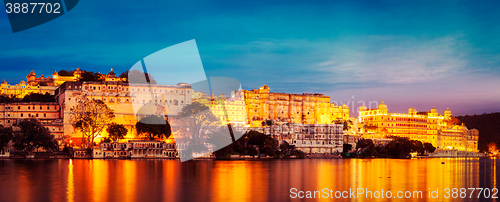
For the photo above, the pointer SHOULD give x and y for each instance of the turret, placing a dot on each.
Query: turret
(447, 112)
(31, 78)
(382, 105)
(363, 108)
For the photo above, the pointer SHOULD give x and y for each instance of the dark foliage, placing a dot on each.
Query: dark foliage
(153, 126)
(346, 148)
(488, 126)
(5, 136)
(90, 76)
(6, 99)
(136, 76)
(399, 147)
(36, 97)
(32, 136)
(116, 131)
(255, 143)
(65, 73)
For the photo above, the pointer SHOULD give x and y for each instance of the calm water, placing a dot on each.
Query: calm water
(171, 180)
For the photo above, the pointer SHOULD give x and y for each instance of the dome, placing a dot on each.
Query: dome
(382, 106)
(363, 108)
(447, 111)
(55, 73)
(32, 73)
(111, 74)
(463, 127)
(433, 110)
(4, 82)
(22, 82)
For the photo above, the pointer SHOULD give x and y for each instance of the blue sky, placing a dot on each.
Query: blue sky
(410, 54)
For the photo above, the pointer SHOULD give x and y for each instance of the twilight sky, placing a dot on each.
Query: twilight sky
(410, 54)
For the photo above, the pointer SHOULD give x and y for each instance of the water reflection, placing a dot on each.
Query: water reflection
(71, 183)
(171, 180)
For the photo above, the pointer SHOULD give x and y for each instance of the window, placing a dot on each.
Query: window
(18, 107)
(36, 115)
(29, 107)
(48, 107)
(22, 114)
(40, 107)
(44, 115)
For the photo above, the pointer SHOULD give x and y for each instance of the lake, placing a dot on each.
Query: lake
(271, 180)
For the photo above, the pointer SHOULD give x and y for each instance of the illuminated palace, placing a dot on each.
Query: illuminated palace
(123, 99)
(306, 108)
(226, 109)
(428, 126)
(44, 84)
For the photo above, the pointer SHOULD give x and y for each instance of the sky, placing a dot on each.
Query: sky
(409, 54)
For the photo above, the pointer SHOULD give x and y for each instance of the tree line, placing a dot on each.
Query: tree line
(399, 147)
(28, 136)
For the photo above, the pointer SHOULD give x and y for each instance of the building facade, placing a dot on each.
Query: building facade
(128, 101)
(48, 85)
(428, 126)
(47, 113)
(309, 138)
(136, 149)
(226, 109)
(22, 89)
(306, 108)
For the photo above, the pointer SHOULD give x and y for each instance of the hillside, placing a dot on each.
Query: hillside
(488, 126)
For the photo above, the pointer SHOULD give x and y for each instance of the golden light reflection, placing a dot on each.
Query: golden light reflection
(129, 178)
(100, 179)
(70, 192)
(172, 172)
(231, 182)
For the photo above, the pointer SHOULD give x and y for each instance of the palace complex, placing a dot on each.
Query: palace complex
(129, 102)
(427, 126)
(48, 85)
(306, 108)
(310, 121)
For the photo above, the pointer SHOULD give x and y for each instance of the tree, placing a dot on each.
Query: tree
(90, 117)
(450, 120)
(116, 131)
(37, 97)
(429, 147)
(137, 76)
(64, 73)
(346, 148)
(364, 144)
(5, 136)
(492, 148)
(90, 76)
(6, 99)
(32, 136)
(195, 124)
(152, 126)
